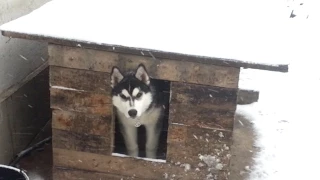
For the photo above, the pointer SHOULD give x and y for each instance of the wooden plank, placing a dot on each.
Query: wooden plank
(60, 173)
(210, 142)
(182, 154)
(216, 98)
(177, 134)
(208, 135)
(203, 117)
(202, 106)
(164, 69)
(81, 142)
(82, 122)
(246, 96)
(79, 101)
(80, 79)
(185, 144)
(127, 166)
(152, 52)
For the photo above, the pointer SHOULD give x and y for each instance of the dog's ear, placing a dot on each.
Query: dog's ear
(142, 74)
(116, 76)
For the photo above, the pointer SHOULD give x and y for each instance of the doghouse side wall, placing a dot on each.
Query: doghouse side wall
(82, 114)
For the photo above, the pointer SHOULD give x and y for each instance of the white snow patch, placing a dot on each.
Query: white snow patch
(211, 161)
(186, 166)
(201, 164)
(229, 156)
(179, 124)
(221, 134)
(146, 159)
(65, 88)
(166, 175)
(219, 166)
(209, 176)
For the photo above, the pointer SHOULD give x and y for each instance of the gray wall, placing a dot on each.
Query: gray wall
(13, 68)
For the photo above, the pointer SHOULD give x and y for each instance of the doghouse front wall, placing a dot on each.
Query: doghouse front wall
(201, 116)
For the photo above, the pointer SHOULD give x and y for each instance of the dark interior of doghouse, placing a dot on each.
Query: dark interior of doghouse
(163, 87)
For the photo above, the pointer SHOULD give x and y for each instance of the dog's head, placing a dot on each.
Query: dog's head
(131, 93)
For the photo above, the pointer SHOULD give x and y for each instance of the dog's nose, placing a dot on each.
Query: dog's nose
(132, 113)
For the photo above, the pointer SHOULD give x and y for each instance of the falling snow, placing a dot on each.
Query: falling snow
(24, 58)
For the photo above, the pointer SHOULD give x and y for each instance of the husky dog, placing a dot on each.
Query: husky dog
(137, 103)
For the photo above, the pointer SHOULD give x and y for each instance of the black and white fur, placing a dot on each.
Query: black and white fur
(137, 103)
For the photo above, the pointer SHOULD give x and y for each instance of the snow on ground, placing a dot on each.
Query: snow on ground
(287, 122)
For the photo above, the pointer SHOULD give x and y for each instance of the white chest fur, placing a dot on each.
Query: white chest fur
(149, 119)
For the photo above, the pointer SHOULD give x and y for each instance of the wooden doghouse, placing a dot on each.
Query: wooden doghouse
(202, 107)
(201, 112)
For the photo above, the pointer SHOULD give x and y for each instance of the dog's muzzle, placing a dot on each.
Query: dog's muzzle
(132, 113)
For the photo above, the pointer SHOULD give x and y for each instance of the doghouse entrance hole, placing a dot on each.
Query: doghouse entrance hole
(163, 88)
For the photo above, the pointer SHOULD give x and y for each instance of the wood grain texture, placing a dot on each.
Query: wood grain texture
(85, 123)
(60, 173)
(164, 69)
(185, 144)
(81, 142)
(126, 166)
(83, 80)
(152, 52)
(216, 98)
(201, 117)
(202, 106)
(74, 174)
(86, 102)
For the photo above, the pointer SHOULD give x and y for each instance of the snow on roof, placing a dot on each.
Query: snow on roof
(247, 30)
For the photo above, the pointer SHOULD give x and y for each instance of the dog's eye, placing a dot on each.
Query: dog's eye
(123, 96)
(139, 95)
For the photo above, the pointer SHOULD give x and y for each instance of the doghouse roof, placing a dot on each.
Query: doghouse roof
(181, 30)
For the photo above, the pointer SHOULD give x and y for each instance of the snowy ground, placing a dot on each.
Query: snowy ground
(286, 120)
